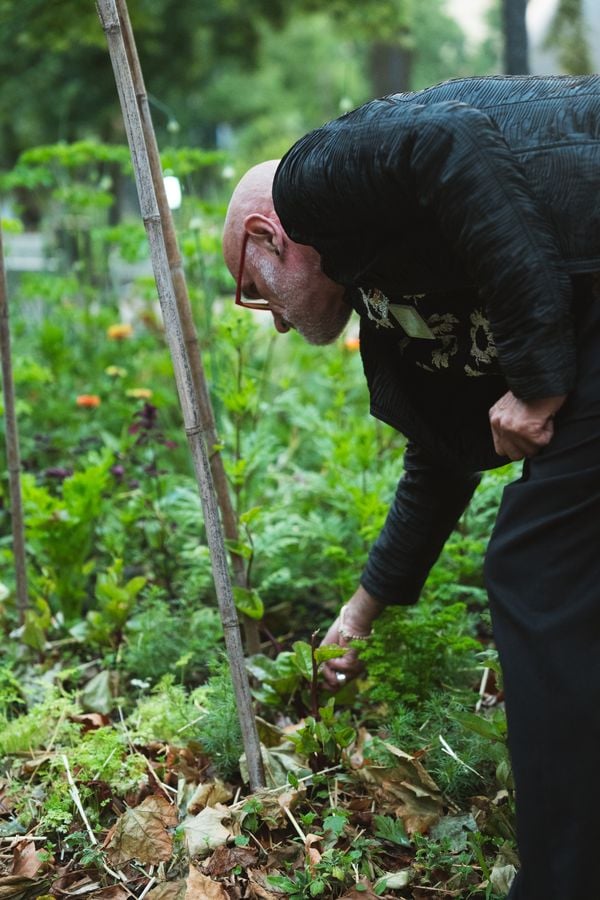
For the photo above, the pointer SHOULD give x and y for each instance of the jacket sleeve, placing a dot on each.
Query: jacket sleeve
(449, 165)
(428, 503)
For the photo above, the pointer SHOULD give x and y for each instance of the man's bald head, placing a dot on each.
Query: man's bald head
(253, 194)
(286, 275)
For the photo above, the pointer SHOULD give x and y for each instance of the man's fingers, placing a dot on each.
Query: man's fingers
(515, 445)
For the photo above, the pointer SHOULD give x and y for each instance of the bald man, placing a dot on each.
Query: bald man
(462, 224)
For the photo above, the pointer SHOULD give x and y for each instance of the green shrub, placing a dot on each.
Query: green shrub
(219, 729)
(44, 724)
(478, 760)
(419, 649)
(163, 638)
(167, 714)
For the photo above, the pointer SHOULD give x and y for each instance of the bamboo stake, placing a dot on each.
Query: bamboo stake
(185, 386)
(190, 335)
(12, 447)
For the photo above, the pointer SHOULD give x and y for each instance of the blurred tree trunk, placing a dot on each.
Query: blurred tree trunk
(390, 66)
(515, 37)
(567, 34)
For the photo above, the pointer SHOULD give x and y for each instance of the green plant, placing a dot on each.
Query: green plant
(60, 534)
(467, 868)
(164, 637)
(293, 676)
(419, 649)
(218, 729)
(44, 724)
(166, 714)
(335, 872)
(464, 751)
(115, 599)
(322, 739)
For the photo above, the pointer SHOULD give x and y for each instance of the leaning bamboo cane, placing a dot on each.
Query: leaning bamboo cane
(185, 316)
(12, 447)
(185, 386)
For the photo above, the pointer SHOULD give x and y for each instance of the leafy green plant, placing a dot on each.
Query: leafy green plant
(60, 534)
(218, 728)
(164, 637)
(322, 739)
(464, 751)
(335, 872)
(167, 714)
(417, 650)
(115, 600)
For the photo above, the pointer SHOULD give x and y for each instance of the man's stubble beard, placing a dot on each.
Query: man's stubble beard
(318, 327)
(326, 328)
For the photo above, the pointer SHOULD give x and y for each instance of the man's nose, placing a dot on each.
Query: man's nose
(280, 324)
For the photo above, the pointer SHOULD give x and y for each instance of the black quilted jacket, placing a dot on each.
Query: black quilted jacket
(486, 188)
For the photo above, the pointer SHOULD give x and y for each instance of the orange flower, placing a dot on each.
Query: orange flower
(139, 393)
(88, 400)
(120, 331)
(352, 343)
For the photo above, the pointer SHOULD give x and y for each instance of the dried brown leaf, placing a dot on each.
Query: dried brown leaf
(26, 861)
(110, 893)
(141, 833)
(313, 856)
(7, 804)
(161, 806)
(170, 890)
(366, 892)
(407, 790)
(18, 887)
(90, 721)
(201, 887)
(258, 887)
(206, 831)
(273, 806)
(208, 794)
(224, 859)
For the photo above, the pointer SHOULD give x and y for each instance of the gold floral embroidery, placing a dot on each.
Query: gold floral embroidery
(443, 327)
(483, 348)
(377, 306)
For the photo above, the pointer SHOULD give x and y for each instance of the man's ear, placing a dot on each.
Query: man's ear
(265, 232)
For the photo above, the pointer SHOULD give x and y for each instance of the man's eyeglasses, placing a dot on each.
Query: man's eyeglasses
(247, 304)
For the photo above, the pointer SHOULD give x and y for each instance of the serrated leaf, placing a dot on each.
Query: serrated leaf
(335, 824)
(393, 830)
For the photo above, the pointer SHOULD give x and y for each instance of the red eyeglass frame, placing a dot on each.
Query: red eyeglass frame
(246, 304)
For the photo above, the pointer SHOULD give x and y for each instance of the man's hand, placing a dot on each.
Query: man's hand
(359, 613)
(522, 427)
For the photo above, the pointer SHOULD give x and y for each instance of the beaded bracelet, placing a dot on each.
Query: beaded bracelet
(343, 631)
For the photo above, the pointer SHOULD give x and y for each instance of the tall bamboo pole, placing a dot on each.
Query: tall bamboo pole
(185, 386)
(185, 316)
(12, 446)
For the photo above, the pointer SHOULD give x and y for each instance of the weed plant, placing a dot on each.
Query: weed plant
(460, 760)
(162, 637)
(218, 727)
(419, 650)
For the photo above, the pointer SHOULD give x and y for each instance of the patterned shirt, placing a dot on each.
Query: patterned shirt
(429, 337)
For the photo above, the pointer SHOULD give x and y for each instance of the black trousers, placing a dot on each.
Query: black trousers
(543, 578)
